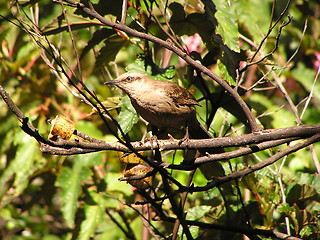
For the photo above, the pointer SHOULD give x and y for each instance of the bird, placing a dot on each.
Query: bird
(163, 104)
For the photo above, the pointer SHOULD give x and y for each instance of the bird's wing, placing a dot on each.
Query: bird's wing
(180, 95)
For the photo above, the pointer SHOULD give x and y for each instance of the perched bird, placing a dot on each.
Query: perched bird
(161, 103)
(165, 104)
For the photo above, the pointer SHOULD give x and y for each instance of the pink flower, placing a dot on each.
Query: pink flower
(316, 63)
(192, 43)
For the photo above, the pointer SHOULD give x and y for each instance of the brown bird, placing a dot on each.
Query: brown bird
(161, 103)
(166, 105)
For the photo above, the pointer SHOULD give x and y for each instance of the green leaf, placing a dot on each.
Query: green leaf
(313, 180)
(70, 181)
(24, 164)
(98, 36)
(307, 231)
(109, 52)
(281, 117)
(25, 161)
(92, 219)
(128, 116)
(227, 24)
(306, 77)
(223, 72)
(252, 17)
(141, 65)
(90, 128)
(285, 207)
(116, 186)
(59, 24)
(198, 212)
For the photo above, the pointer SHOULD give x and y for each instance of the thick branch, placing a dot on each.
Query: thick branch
(244, 172)
(229, 155)
(297, 132)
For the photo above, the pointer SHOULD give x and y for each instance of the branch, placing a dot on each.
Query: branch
(270, 30)
(229, 155)
(241, 173)
(77, 147)
(290, 134)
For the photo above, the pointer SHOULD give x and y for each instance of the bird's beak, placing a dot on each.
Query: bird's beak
(111, 82)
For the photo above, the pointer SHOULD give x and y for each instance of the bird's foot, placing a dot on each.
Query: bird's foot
(185, 138)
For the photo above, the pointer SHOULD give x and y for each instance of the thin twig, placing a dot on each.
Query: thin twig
(124, 11)
(72, 40)
(270, 29)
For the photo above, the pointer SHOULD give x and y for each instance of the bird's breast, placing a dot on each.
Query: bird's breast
(160, 110)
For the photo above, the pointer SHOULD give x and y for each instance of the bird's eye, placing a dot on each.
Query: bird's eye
(129, 79)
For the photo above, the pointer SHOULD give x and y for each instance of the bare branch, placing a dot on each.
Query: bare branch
(124, 11)
(79, 147)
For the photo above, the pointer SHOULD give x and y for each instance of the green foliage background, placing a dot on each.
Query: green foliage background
(80, 197)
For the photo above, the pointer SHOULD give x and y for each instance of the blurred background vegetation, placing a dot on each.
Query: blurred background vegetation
(79, 197)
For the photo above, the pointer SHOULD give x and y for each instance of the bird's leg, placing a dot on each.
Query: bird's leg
(155, 132)
(186, 136)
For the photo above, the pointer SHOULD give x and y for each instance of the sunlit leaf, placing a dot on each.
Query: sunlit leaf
(70, 180)
(70, 191)
(128, 116)
(226, 16)
(198, 212)
(141, 65)
(92, 219)
(252, 17)
(285, 207)
(116, 186)
(24, 164)
(223, 72)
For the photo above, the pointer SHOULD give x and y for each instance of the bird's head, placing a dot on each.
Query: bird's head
(127, 78)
